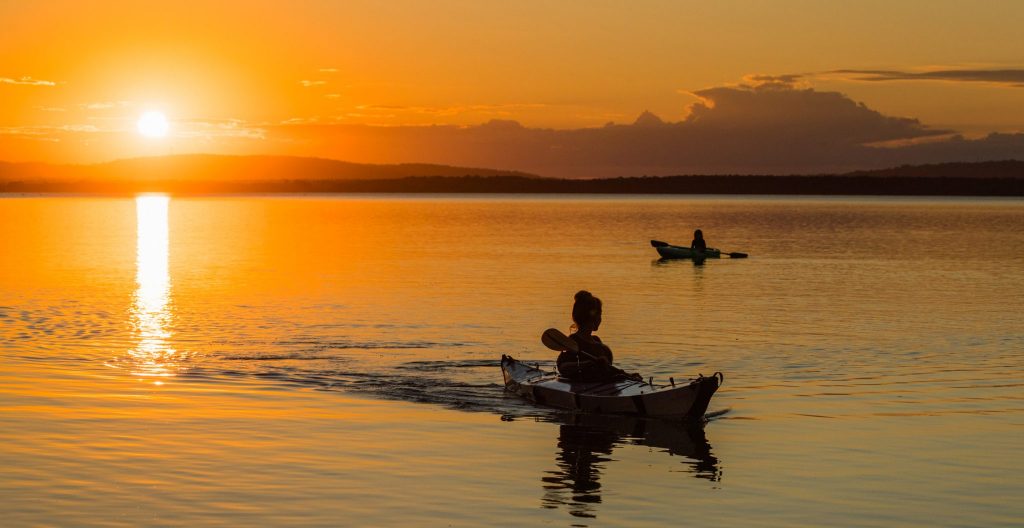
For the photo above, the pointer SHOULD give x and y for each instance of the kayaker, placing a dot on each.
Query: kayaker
(594, 361)
(698, 243)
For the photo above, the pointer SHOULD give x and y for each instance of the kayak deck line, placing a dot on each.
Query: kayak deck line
(597, 385)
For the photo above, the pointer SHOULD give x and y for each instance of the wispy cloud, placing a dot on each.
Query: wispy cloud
(786, 78)
(219, 128)
(26, 81)
(328, 70)
(1008, 77)
(104, 105)
(48, 133)
(301, 121)
(308, 83)
(22, 131)
(90, 129)
(446, 111)
(1013, 77)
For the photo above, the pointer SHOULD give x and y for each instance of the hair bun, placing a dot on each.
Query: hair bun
(581, 295)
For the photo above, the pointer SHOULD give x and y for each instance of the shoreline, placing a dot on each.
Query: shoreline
(668, 185)
(205, 175)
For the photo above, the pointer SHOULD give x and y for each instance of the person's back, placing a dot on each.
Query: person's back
(594, 360)
(698, 241)
(591, 363)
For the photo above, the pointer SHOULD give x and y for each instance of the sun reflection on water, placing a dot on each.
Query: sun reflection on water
(151, 312)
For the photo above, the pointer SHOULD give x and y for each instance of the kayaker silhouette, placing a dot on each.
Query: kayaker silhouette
(593, 361)
(698, 241)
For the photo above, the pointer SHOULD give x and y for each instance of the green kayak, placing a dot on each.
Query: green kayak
(679, 252)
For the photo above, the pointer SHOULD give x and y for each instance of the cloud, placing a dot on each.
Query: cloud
(26, 81)
(209, 129)
(788, 78)
(90, 129)
(307, 83)
(48, 132)
(828, 117)
(771, 128)
(25, 131)
(994, 147)
(301, 120)
(1008, 77)
(774, 127)
(105, 105)
(500, 110)
(108, 138)
(328, 70)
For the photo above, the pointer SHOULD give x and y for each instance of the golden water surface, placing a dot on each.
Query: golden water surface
(332, 361)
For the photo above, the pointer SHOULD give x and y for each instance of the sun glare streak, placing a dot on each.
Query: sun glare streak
(151, 311)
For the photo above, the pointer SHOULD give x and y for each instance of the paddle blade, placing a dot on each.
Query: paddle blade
(659, 243)
(556, 340)
(737, 254)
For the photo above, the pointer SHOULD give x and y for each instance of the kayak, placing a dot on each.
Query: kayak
(680, 252)
(688, 401)
(668, 251)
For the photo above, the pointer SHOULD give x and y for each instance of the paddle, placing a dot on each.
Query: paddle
(554, 339)
(733, 254)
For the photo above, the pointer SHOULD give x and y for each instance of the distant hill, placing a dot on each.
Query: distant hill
(195, 172)
(202, 174)
(1013, 169)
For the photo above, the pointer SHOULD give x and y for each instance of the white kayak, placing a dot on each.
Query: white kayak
(686, 400)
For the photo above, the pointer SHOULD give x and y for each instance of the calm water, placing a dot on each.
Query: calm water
(332, 361)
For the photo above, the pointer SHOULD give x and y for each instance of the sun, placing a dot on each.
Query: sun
(153, 124)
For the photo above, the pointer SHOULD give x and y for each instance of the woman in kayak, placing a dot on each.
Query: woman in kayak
(594, 360)
(698, 243)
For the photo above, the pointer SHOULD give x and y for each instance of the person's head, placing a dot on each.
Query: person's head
(698, 235)
(586, 311)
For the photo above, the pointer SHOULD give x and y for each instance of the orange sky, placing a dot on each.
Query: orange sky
(232, 77)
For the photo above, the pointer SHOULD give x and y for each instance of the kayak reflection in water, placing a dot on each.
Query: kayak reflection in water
(593, 362)
(582, 453)
(585, 446)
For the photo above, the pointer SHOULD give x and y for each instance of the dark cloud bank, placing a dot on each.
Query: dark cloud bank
(1009, 77)
(771, 128)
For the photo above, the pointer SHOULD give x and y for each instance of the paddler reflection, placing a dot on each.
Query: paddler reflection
(585, 445)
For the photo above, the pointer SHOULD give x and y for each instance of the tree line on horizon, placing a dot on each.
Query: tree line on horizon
(206, 174)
